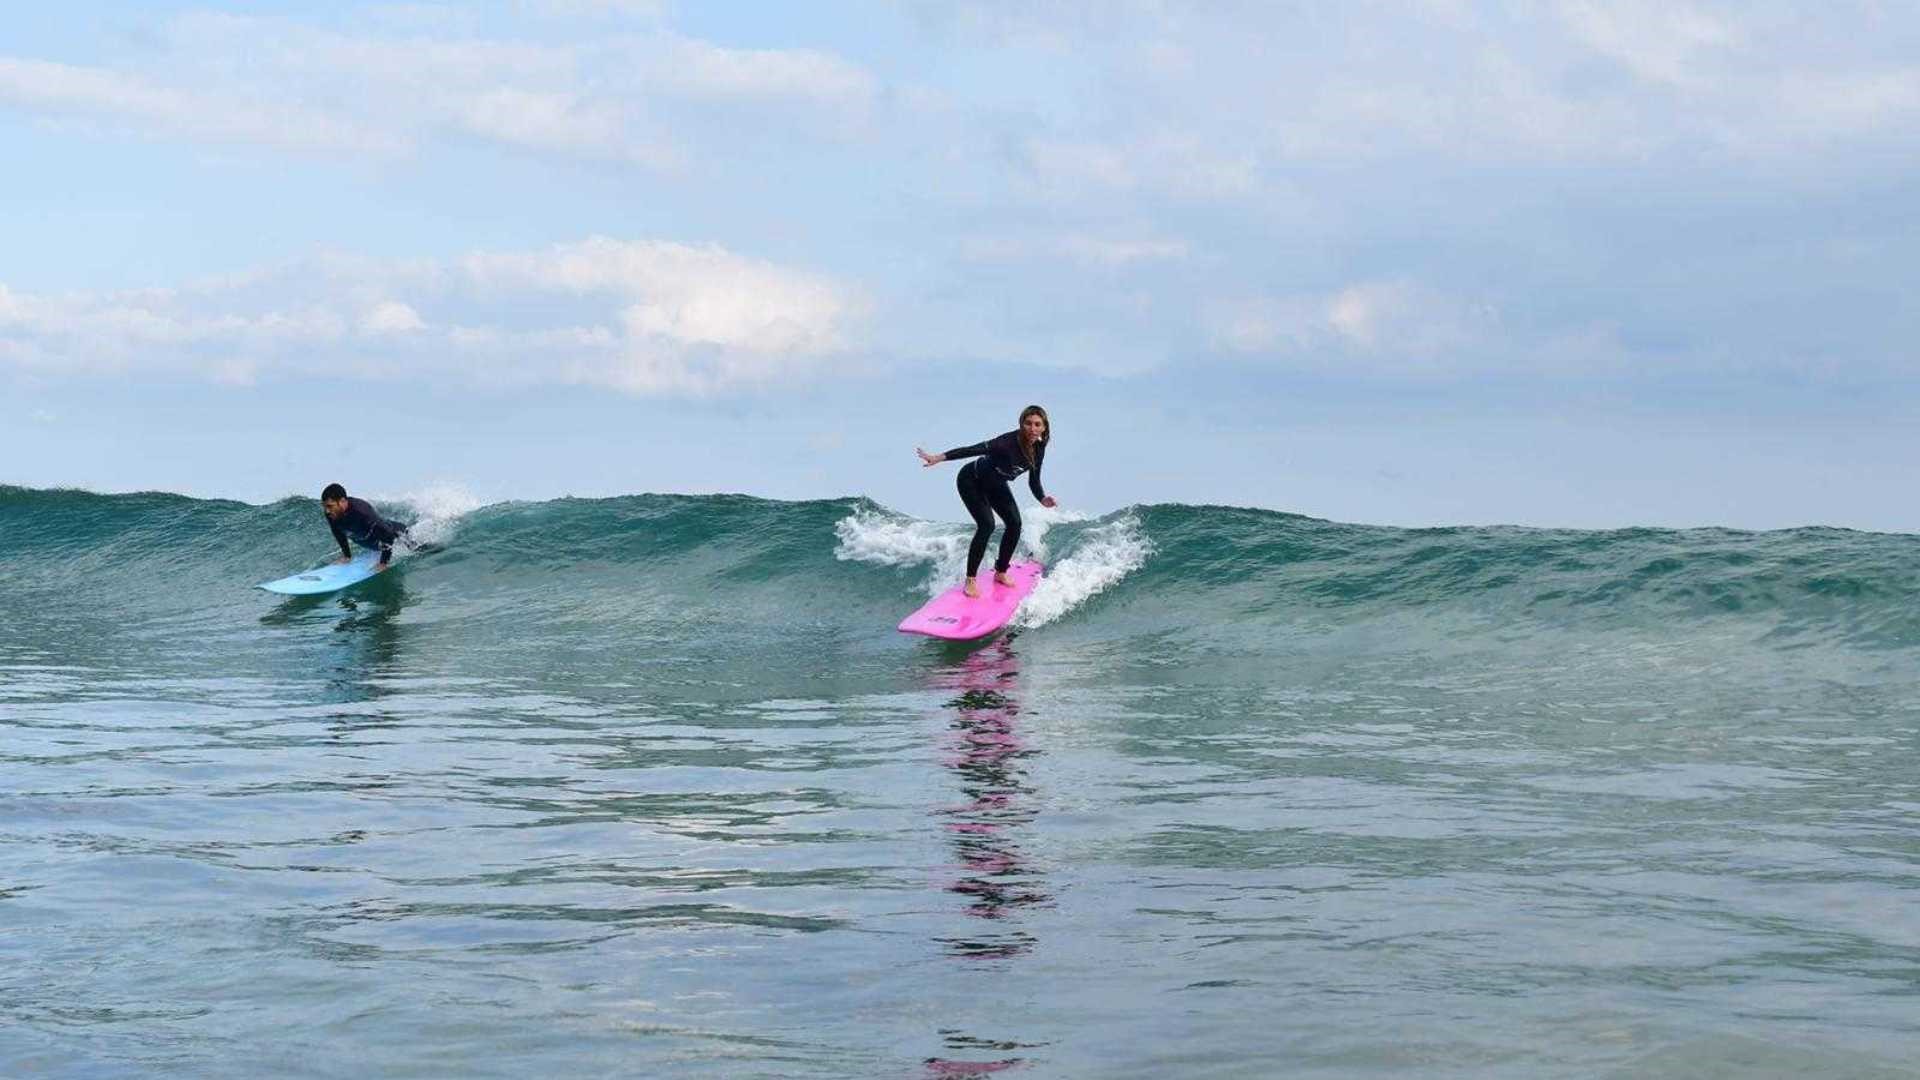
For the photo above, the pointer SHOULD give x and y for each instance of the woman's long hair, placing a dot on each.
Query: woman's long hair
(1026, 443)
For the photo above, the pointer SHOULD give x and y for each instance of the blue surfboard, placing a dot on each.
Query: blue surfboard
(325, 579)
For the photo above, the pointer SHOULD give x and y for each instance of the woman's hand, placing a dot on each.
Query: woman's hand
(1049, 502)
(929, 459)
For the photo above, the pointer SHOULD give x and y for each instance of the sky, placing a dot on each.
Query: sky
(1416, 262)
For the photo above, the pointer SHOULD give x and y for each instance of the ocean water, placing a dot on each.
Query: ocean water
(649, 786)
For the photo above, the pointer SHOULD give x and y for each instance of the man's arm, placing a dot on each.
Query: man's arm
(346, 549)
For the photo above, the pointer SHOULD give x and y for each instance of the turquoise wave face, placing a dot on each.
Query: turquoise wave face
(1199, 577)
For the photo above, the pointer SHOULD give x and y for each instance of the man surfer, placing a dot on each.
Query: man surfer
(356, 519)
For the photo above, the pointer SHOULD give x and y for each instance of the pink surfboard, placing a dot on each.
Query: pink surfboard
(955, 616)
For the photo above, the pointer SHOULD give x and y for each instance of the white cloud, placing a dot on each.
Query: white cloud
(690, 295)
(1178, 164)
(67, 90)
(1661, 42)
(1360, 313)
(1084, 249)
(285, 84)
(1221, 101)
(702, 69)
(551, 122)
(391, 317)
(1852, 103)
(646, 9)
(533, 96)
(647, 317)
(1385, 325)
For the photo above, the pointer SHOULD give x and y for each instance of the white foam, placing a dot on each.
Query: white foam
(437, 510)
(1036, 521)
(879, 536)
(1102, 557)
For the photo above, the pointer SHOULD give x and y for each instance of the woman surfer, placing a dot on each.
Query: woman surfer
(983, 486)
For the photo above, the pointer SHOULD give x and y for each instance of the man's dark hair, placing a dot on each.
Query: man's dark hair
(332, 491)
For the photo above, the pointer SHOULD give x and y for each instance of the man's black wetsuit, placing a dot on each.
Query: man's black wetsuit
(983, 487)
(364, 525)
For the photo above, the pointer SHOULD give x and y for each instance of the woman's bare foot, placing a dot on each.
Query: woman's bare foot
(973, 588)
(1001, 577)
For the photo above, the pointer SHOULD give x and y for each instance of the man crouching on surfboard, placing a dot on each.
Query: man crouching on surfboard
(357, 519)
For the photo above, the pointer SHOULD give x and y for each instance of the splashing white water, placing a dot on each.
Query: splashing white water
(437, 510)
(879, 536)
(1035, 522)
(1100, 557)
(1103, 556)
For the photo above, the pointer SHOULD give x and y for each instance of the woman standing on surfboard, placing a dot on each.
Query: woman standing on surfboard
(983, 486)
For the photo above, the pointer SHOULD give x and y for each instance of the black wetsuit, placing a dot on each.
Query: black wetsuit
(364, 526)
(983, 487)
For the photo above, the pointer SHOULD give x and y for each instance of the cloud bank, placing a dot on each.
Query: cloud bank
(645, 317)
(1376, 189)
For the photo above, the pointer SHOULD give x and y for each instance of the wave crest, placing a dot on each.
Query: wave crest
(1091, 559)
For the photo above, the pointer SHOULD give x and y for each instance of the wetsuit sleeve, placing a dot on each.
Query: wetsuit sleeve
(1033, 478)
(340, 538)
(975, 450)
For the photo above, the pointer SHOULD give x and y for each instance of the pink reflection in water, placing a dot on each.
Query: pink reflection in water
(986, 753)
